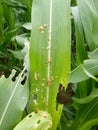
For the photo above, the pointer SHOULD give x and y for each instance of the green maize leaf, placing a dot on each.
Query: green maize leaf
(1, 15)
(1, 11)
(28, 4)
(24, 53)
(81, 53)
(89, 21)
(17, 54)
(9, 17)
(87, 99)
(40, 120)
(88, 125)
(21, 39)
(15, 3)
(85, 115)
(27, 26)
(8, 38)
(13, 99)
(50, 52)
(78, 74)
(93, 54)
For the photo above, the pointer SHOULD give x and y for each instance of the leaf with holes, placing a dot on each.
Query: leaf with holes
(40, 120)
(13, 99)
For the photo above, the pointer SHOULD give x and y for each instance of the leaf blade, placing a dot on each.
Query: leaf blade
(50, 52)
(10, 99)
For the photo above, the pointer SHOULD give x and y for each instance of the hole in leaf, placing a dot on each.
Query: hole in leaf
(65, 96)
(24, 80)
(14, 77)
(30, 116)
(38, 121)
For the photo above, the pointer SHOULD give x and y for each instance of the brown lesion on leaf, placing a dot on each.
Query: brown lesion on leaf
(36, 76)
(48, 48)
(52, 78)
(44, 115)
(43, 84)
(49, 82)
(42, 29)
(48, 62)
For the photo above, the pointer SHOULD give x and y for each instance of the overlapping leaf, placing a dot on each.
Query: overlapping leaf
(40, 120)
(13, 99)
(91, 65)
(89, 21)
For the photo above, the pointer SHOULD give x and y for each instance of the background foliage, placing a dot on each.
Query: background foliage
(11, 26)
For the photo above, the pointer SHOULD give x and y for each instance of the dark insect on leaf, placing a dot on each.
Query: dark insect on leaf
(65, 96)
